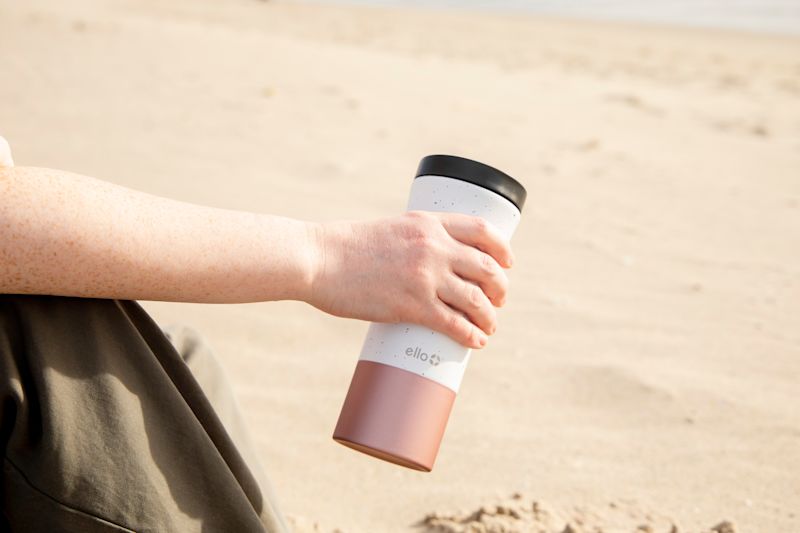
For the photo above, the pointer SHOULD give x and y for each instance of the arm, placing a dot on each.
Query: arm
(70, 235)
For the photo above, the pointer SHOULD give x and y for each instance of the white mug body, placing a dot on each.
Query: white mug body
(408, 375)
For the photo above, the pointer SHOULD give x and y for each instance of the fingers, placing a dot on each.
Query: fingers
(479, 233)
(5, 154)
(481, 268)
(456, 325)
(465, 266)
(468, 298)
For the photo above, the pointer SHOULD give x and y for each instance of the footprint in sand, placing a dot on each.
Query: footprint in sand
(754, 128)
(634, 102)
(520, 514)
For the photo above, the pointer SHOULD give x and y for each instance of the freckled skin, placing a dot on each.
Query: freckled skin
(71, 235)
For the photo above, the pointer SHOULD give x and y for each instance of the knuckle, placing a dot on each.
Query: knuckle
(487, 265)
(420, 219)
(420, 237)
(416, 234)
(481, 225)
(475, 296)
(452, 323)
(419, 245)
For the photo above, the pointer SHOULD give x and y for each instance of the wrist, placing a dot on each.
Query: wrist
(330, 241)
(315, 259)
(288, 259)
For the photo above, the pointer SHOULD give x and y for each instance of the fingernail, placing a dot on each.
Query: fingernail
(482, 341)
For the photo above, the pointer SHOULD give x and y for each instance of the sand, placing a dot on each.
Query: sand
(646, 370)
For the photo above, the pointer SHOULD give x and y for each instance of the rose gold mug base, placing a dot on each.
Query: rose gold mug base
(394, 415)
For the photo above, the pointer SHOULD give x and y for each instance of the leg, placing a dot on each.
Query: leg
(104, 428)
(213, 379)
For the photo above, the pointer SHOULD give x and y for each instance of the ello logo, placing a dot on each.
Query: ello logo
(417, 353)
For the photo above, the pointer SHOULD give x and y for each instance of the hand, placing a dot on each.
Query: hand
(440, 270)
(5, 154)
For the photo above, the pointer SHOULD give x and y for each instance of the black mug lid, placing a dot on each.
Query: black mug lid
(464, 169)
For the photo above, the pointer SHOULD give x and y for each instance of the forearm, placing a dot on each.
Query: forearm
(65, 234)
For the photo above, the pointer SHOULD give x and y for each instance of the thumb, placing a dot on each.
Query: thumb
(5, 154)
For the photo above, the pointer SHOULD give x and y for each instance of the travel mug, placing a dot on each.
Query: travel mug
(407, 375)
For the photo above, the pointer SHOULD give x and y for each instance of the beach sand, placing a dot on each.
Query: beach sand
(646, 371)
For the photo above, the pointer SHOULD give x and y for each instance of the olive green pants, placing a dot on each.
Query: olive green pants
(109, 424)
